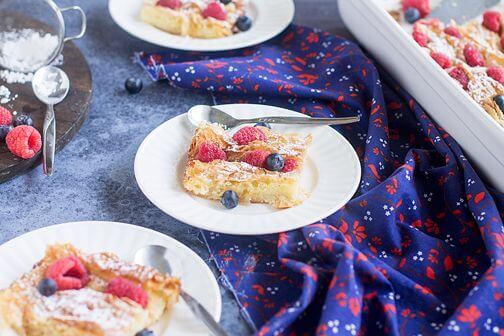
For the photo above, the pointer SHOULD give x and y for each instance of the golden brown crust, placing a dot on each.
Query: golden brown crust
(88, 311)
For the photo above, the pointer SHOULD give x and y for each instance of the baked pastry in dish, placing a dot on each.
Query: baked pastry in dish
(256, 164)
(204, 19)
(69, 292)
(472, 54)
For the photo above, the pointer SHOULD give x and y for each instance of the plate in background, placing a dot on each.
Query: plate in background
(270, 18)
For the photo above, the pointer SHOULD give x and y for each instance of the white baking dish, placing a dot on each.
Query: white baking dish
(452, 108)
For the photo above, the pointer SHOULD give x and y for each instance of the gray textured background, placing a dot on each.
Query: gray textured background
(94, 177)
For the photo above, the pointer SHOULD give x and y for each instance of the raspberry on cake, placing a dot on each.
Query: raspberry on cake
(205, 19)
(262, 166)
(69, 292)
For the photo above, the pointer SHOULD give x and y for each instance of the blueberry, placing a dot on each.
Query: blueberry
(4, 130)
(23, 119)
(275, 162)
(412, 15)
(244, 23)
(229, 199)
(225, 2)
(133, 85)
(145, 332)
(263, 124)
(499, 100)
(47, 287)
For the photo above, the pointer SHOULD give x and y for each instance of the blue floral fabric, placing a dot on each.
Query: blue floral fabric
(419, 249)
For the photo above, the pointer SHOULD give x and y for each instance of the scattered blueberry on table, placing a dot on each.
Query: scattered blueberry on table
(133, 85)
(4, 130)
(230, 199)
(23, 119)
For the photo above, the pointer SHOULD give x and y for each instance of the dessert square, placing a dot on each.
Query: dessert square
(69, 292)
(256, 163)
(204, 19)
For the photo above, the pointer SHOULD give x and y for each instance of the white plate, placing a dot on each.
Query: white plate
(269, 17)
(20, 254)
(332, 175)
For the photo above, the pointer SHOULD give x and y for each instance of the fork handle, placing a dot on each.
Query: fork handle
(49, 146)
(303, 120)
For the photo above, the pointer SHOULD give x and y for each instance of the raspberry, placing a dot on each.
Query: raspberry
(208, 151)
(492, 21)
(69, 273)
(441, 59)
(173, 4)
(122, 288)
(423, 6)
(421, 38)
(473, 56)
(256, 158)
(215, 10)
(453, 31)
(248, 134)
(496, 73)
(459, 74)
(24, 141)
(5, 116)
(289, 165)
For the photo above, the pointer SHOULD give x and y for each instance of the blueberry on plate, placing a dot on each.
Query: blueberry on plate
(23, 119)
(275, 162)
(47, 287)
(243, 23)
(145, 332)
(230, 199)
(225, 2)
(133, 85)
(499, 100)
(4, 130)
(263, 124)
(412, 15)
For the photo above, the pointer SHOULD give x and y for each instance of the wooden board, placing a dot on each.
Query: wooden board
(70, 114)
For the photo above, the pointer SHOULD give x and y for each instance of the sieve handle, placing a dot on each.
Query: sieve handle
(83, 22)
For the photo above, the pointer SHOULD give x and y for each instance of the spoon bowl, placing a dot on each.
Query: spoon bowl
(204, 113)
(159, 258)
(50, 85)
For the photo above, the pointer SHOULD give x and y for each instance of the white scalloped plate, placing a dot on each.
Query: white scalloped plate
(20, 254)
(270, 18)
(331, 175)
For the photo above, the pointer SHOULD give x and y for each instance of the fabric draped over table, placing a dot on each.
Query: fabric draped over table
(418, 250)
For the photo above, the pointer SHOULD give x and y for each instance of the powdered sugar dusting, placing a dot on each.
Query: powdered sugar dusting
(111, 314)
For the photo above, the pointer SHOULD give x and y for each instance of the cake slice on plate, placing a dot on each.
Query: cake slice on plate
(256, 163)
(72, 293)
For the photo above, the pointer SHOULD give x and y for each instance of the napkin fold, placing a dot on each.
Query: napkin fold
(418, 250)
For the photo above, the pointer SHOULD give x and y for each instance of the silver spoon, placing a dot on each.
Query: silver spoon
(51, 86)
(157, 257)
(200, 113)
